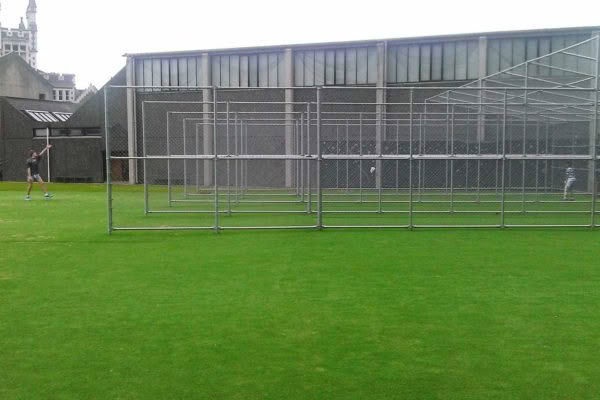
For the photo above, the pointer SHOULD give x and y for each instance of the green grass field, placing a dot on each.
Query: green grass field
(354, 314)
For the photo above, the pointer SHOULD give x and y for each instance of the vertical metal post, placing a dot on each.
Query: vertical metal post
(197, 147)
(215, 158)
(246, 152)
(420, 164)
(447, 136)
(552, 161)
(410, 162)
(360, 128)
(479, 140)
(184, 160)
(347, 161)
(497, 151)
(297, 152)
(130, 109)
(452, 160)
(308, 176)
(510, 163)
(547, 161)
(48, 152)
(423, 149)
(108, 166)
(397, 153)
(146, 205)
(537, 162)
(228, 162)
(468, 131)
(594, 136)
(242, 162)
(480, 132)
(302, 153)
(243, 165)
(319, 159)
(524, 140)
(169, 195)
(378, 175)
(337, 151)
(523, 195)
(423, 126)
(237, 162)
(503, 160)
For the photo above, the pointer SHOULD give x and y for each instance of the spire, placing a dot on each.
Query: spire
(21, 25)
(31, 16)
(32, 27)
(32, 7)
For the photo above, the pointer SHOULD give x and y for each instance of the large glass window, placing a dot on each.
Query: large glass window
(66, 132)
(47, 116)
(60, 132)
(91, 131)
(63, 116)
(40, 132)
(41, 116)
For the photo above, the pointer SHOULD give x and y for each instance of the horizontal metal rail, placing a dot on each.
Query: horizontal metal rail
(325, 226)
(362, 157)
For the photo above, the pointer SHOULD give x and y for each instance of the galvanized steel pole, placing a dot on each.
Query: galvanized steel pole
(215, 173)
(169, 160)
(228, 161)
(410, 164)
(146, 205)
(319, 160)
(594, 136)
(108, 166)
(308, 177)
(503, 160)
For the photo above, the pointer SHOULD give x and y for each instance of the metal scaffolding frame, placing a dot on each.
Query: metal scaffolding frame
(510, 124)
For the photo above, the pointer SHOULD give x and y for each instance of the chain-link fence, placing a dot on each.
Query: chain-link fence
(220, 158)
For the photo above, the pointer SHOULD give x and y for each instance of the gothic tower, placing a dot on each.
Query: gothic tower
(32, 27)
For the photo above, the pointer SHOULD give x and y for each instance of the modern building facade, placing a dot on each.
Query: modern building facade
(451, 60)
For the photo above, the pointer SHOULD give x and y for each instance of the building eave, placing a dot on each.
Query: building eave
(357, 43)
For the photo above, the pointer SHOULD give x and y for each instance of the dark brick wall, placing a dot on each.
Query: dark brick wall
(17, 137)
(71, 159)
(77, 159)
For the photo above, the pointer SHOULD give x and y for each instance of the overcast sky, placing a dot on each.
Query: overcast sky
(89, 37)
